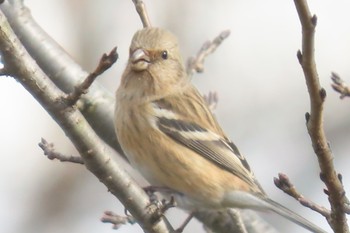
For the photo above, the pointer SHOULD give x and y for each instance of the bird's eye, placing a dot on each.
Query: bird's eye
(164, 54)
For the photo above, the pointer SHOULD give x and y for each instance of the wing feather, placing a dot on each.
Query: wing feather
(209, 145)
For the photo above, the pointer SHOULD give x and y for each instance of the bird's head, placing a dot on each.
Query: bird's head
(153, 47)
(155, 65)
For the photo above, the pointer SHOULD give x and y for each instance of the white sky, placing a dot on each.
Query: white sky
(262, 102)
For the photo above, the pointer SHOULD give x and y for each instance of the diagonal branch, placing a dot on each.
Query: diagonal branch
(97, 104)
(283, 183)
(314, 120)
(96, 154)
(106, 61)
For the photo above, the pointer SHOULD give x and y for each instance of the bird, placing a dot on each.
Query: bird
(172, 138)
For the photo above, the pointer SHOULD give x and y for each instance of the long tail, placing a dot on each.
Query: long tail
(290, 215)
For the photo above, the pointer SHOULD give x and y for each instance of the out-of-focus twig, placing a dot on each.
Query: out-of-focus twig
(314, 120)
(212, 100)
(196, 63)
(225, 221)
(340, 86)
(141, 10)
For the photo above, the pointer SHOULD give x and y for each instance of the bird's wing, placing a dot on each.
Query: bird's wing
(205, 142)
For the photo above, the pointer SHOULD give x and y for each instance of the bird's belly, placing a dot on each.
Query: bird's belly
(197, 182)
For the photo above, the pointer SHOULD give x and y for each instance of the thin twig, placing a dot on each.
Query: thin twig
(141, 10)
(212, 100)
(283, 183)
(51, 154)
(182, 227)
(314, 119)
(117, 220)
(340, 86)
(196, 64)
(104, 64)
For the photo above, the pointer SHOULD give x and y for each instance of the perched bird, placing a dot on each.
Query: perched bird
(169, 134)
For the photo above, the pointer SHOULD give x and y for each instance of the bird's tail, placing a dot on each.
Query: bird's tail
(290, 215)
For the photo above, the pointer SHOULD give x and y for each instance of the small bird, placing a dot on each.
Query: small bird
(170, 136)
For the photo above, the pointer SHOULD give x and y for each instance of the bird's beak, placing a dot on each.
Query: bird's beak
(139, 60)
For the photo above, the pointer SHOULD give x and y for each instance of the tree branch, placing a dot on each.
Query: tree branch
(141, 10)
(116, 220)
(196, 64)
(314, 119)
(212, 100)
(283, 183)
(97, 104)
(340, 86)
(96, 155)
(105, 63)
(51, 154)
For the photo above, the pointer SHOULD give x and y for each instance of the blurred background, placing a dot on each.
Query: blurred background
(262, 102)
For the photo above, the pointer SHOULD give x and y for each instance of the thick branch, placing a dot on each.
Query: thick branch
(314, 119)
(96, 155)
(97, 104)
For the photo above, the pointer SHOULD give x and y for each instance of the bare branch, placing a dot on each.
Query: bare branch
(105, 63)
(283, 183)
(64, 71)
(196, 64)
(340, 86)
(185, 223)
(314, 119)
(51, 154)
(212, 100)
(116, 220)
(141, 10)
(96, 154)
